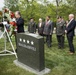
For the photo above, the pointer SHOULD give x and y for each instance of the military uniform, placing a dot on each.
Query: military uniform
(60, 31)
(32, 27)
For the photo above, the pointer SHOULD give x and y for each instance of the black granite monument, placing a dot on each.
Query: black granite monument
(30, 50)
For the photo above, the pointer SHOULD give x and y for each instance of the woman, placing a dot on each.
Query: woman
(40, 27)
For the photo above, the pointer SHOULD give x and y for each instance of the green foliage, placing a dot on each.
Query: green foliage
(72, 5)
(72, 2)
(41, 8)
(36, 10)
(30, 9)
(11, 4)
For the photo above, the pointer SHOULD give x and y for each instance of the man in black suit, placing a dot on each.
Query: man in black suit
(70, 32)
(48, 30)
(20, 22)
(32, 26)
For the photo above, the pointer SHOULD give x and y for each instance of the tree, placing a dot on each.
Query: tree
(58, 2)
(32, 9)
(72, 4)
(41, 8)
(11, 4)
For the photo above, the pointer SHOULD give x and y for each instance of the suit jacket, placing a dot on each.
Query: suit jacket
(40, 29)
(60, 28)
(20, 25)
(48, 28)
(70, 28)
(32, 27)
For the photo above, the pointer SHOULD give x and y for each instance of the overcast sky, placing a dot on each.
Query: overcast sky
(1, 4)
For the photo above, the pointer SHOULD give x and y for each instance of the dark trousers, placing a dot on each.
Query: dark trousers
(60, 39)
(48, 40)
(70, 42)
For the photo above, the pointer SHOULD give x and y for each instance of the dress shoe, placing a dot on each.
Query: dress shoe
(71, 53)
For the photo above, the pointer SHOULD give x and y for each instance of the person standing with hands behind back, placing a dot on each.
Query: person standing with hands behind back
(32, 26)
(70, 32)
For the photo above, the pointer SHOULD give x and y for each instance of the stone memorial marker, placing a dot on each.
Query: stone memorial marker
(30, 51)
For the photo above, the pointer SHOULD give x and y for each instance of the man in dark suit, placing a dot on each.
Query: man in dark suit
(32, 26)
(20, 22)
(70, 32)
(40, 27)
(48, 30)
(60, 30)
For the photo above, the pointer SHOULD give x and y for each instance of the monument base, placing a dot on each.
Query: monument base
(45, 71)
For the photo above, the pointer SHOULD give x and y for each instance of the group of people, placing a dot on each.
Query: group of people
(46, 28)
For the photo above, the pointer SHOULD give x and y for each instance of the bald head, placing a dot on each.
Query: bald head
(71, 16)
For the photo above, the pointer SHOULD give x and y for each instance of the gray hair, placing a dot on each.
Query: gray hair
(18, 12)
(40, 19)
(72, 15)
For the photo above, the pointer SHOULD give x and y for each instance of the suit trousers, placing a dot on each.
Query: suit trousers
(60, 39)
(48, 40)
(70, 42)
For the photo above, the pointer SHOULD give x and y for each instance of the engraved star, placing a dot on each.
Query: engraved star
(23, 40)
(28, 41)
(32, 43)
(20, 40)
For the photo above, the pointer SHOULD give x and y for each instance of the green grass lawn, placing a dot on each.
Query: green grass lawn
(59, 61)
